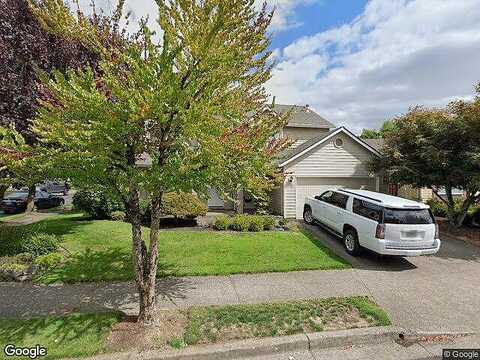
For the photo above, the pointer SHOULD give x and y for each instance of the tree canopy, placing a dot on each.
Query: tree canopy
(387, 127)
(438, 149)
(191, 107)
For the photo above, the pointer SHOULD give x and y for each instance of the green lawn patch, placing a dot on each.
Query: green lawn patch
(66, 336)
(101, 250)
(222, 323)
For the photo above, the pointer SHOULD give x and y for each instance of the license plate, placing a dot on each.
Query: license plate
(411, 233)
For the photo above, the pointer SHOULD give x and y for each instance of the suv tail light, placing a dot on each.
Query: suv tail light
(380, 232)
(437, 232)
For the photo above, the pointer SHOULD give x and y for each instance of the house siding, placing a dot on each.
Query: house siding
(327, 164)
(327, 160)
(276, 201)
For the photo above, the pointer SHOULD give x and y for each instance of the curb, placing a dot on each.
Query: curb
(267, 346)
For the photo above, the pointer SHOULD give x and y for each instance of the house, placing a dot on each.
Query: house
(322, 156)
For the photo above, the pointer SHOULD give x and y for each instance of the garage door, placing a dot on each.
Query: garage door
(309, 187)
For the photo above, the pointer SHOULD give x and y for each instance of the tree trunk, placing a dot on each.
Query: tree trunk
(3, 189)
(30, 199)
(460, 216)
(450, 205)
(145, 261)
(149, 296)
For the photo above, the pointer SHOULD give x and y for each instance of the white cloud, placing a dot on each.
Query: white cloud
(284, 17)
(397, 54)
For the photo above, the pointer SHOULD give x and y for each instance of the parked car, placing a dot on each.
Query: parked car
(59, 188)
(383, 223)
(17, 201)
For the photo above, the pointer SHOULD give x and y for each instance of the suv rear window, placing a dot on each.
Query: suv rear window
(408, 216)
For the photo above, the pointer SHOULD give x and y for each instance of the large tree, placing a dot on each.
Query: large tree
(387, 127)
(180, 114)
(25, 48)
(438, 149)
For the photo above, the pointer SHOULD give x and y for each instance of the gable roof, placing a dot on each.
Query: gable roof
(304, 148)
(303, 117)
(377, 144)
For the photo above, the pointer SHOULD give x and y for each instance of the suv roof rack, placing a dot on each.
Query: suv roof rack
(364, 196)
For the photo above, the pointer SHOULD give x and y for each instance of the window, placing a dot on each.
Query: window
(408, 216)
(338, 142)
(367, 209)
(339, 200)
(326, 196)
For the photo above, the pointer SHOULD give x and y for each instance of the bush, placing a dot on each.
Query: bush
(256, 222)
(223, 223)
(17, 240)
(49, 261)
(118, 216)
(96, 203)
(269, 222)
(183, 205)
(40, 244)
(240, 223)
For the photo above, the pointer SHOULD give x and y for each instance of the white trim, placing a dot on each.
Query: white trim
(377, 183)
(339, 130)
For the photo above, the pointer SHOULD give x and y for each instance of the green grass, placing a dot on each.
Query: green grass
(67, 336)
(211, 324)
(101, 250)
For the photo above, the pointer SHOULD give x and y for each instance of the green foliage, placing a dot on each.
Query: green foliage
(257, 223)
(40, 244)
(387, 127)
(253, 223)
(436, 149)
(223, 222)
(96, 203)
(241, 223)
(183, 205)
(49, 261)
(269, 222)
(177, 343)
(118, 216)
(17, 240)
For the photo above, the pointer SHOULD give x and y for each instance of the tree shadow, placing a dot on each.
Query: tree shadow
(73, 335)
(113, 264)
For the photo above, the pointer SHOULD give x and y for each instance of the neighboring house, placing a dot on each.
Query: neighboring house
(321, 157)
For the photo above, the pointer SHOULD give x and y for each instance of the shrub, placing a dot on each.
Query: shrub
(240, 223)
(223, 223)
(183, 205)
(118, 216)
(256, 223)
(269, 222)
(40, 244)
(17, 240)
(96, 203)
(24, 258)
(49, 261)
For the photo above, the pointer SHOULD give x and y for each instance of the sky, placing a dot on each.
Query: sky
(359, 63)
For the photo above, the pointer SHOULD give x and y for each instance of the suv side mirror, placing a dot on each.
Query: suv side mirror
(318, 197)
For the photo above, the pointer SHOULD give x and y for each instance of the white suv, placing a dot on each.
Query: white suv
(382, 223)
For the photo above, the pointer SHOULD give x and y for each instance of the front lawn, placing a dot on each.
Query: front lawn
(101, 250)
(68, 336)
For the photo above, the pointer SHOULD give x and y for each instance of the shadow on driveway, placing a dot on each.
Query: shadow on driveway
(367, 260)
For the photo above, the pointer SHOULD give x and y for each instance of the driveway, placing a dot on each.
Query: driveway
(428, 293)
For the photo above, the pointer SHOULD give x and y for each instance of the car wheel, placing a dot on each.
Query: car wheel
(350, 241)
(307, 215)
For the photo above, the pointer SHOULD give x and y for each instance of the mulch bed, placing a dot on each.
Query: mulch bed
(468, 234)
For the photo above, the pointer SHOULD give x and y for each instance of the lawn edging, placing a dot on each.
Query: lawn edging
(267, 346)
